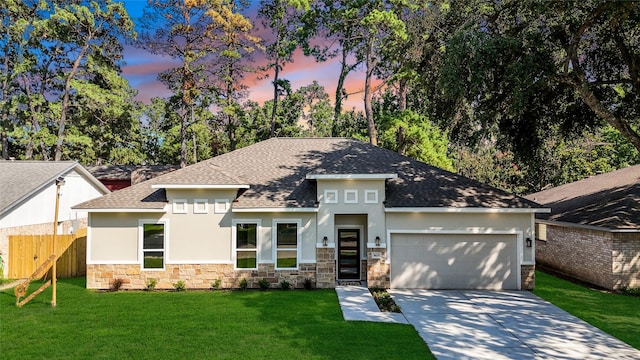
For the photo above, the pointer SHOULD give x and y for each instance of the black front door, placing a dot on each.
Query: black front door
(348, 254)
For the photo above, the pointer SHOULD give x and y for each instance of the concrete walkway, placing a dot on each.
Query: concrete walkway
(358, 305)
(503, 325)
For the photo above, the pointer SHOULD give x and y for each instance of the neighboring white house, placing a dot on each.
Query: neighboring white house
(322, 209)
(28, 195)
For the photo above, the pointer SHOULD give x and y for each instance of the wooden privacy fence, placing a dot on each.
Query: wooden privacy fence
(28, 252)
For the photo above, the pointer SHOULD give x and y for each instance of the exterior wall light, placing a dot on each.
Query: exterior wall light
(325, 241)
(377, 240)
(529, 242)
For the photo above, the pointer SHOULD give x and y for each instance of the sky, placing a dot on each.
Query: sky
(141, 70)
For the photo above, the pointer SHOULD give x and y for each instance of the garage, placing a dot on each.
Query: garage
(454, 261)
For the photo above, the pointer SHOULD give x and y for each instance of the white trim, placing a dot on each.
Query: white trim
(326, 196)
(274, 238)
(383, 245)
(348, 193)
(472, 231)
(329, 246)
(275, 210)
(165, 248)
(217, 206)
(123, 210)
(234, 240)
(196, 262)
(175, 206)
(116, 262)
(371, 192)
(351, 176)
(204, 202)
(201, 186)
(465, 210)
(585, 227)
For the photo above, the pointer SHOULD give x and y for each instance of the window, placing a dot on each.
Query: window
(371, 196)
(246, 245)
(200, 206)
(221, 206)
(179, 206)
(331, 196)
(286, 233)
(153, 246)
(351, 196)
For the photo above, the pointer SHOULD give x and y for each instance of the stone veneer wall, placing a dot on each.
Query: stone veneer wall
(35, 229)
(606, 259)
(378, 270)
(195, 276)
(325, 267)
(626, 260)
(527, 277)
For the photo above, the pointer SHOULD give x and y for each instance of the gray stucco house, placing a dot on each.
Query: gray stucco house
(593, 232)
(324, 209)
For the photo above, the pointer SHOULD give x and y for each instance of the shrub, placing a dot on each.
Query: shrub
(284, 285)
(151, 284)
(630, 291)
(216, 284)
(384, 300)
(116, 284)
(264, 284)
(243, 284)
(180, 285)
(308, 284)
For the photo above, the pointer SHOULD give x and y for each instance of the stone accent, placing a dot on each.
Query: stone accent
(378, 270)
(610, 260)
(527, 277)
(325, 267)
(195, 276)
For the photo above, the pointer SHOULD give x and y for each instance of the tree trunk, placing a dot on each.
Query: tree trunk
(231, 126)
(276, 74)
(183, 140)
(368, 95)
(402, 95)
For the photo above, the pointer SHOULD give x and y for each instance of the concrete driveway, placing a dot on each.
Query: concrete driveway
(503, 325)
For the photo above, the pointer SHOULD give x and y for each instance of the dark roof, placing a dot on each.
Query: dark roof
(276, 172)
(21, 179)
(610, 200)
(134, 173)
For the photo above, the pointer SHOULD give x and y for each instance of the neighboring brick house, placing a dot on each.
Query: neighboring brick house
(27, 199)
(593, 231)
(322, 209)
(116, 177)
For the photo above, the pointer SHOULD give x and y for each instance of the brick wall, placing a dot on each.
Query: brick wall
(527, 277)
(35, 229)
(581, 253)
(195, 276)
(626, 260)
(378, 270)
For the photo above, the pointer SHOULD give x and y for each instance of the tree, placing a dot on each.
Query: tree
(528, 67)
(282, 17)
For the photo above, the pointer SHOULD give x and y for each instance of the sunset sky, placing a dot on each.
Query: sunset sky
(142, 68)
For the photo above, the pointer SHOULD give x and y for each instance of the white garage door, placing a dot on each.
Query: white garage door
(460, 261)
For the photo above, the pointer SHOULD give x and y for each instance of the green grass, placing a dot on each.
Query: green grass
(195, 325)
(615, 314)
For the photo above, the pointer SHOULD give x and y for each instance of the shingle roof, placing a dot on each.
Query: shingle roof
(276, 171)
(21, 179)
(134, 173)
(610, 200)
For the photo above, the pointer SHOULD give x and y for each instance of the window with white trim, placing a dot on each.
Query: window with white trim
(245, 244)
(351, 196)
(200, 206)
(179, 206)
(221, 206)
(331, 196)
(287, 243)
(371, 196)
(153, 245)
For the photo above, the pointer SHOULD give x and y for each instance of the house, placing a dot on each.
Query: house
(593, 232)
(116, 177)
(323, 209)
(28, 196)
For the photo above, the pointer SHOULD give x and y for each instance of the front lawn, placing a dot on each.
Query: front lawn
(615, 314)
(195, 324)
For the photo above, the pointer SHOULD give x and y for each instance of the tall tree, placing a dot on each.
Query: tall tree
(283, 18)
(527, 67)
